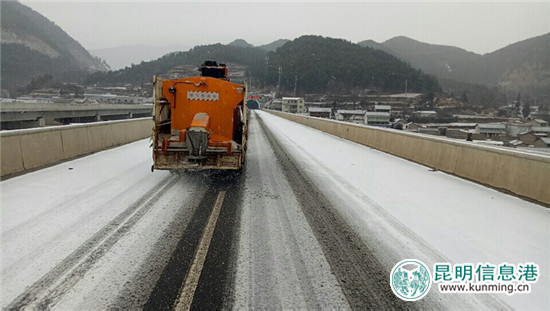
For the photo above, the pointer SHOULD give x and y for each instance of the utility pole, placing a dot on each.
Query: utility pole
(295, 84)
(279, 84)
(406, 81)
(266, 66)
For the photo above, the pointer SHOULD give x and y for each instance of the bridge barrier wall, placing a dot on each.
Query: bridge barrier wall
(524, 174)
(12, 156)
(75, 142)
(27, 149)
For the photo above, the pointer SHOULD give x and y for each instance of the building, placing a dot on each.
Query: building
(457, 125)
(489, 142)
(320, 112)
(430, 131)
(515, 143)
(513, 129)
(532, 140)
(478, 118)
(275, 104)
(539, 122)
(350, 115)
(377, 118)
(399, 124)
(316, 105)
(382, 108)
(542, 131)
(413, 127)
(457, 133)
(490, 129)
(293, 105)
(424, 114)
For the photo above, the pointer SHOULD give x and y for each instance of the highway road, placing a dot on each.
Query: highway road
(312, 222)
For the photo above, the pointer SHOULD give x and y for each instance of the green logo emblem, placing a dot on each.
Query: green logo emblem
(410, 279)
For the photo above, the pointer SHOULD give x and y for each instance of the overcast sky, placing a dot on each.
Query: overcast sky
(477, 27)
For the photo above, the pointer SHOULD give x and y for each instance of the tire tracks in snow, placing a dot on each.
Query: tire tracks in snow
(215, 274)
(358, 271)
(49, 289)
(384, 249)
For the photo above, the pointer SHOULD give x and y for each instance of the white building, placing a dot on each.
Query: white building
(320, 112)
(377, 118)
(293, 105)
(513, 129)
(425, 114)
(490, 129)
(356, 116)
(382, 108)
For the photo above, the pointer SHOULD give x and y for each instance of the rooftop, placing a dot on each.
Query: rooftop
(492, 126)
(344, 111)
(515, 142)
(469, 116)
(376, 113)
(319, 109)
(406, 95)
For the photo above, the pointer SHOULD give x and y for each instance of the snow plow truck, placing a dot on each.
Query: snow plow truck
(200, 122)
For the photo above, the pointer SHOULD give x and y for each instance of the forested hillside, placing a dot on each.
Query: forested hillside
(320, 65)
(273, 45)
(33, 46)
(335, 65)
(252, 58)
(521, 67)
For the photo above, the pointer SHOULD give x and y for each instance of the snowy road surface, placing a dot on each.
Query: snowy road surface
(313, 222)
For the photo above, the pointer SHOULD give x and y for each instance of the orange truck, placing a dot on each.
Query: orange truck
(200, 122)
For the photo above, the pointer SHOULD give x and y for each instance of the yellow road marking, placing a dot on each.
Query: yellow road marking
(185, 297)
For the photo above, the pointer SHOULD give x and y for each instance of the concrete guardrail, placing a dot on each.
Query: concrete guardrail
(521, 173)
(27, 149)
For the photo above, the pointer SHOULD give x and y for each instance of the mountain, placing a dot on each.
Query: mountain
(520, 67)
(123, 56)
(241, 43)
(445, 62)
(267, 47)
(273, 45)
(165, 66)
(375, 45)
(321, 65)
(33, 46)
